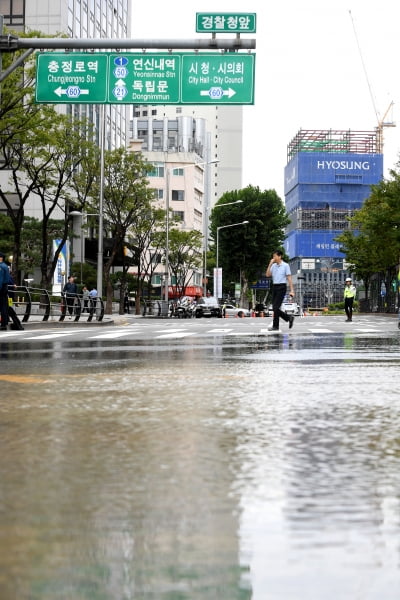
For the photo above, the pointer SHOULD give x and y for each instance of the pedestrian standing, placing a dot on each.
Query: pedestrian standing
(85, 298)
(279, 270)
(70, 290)
(93, 296)
(349, 295)
(4, 280)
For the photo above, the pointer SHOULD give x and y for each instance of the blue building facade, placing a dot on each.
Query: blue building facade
(328, 176)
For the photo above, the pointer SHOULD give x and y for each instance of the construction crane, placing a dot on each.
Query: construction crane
(381, 121)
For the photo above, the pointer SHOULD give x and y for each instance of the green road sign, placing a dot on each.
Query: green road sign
(226, 22)
(145, 78)
(218, 79)
(77, 77)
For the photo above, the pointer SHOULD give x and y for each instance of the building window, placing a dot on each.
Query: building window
(178, 172)
(158, 170)
(179, 215)
(178, 195)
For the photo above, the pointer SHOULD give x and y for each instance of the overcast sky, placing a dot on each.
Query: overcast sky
(309, 74)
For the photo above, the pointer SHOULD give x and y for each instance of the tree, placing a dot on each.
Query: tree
(48, 161)
(184, 256)
(372, 244)
(126, 195)
(21, 121)
(146, 242)
(244, 250)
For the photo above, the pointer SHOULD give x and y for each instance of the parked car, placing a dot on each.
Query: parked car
(291, 308)
(236, 311)
(207, 307)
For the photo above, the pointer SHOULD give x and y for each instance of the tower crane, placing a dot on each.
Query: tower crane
(381, 121)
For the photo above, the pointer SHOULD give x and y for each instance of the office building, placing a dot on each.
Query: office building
(328, 176)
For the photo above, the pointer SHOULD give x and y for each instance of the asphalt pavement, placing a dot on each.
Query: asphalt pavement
(362, 323)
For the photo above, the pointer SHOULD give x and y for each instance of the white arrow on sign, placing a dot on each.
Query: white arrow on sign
(217, 92)
(60, 91)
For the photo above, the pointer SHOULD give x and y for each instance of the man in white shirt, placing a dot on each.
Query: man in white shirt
(279, 270)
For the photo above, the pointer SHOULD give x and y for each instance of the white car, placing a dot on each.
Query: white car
(235, 311)
(291, 308)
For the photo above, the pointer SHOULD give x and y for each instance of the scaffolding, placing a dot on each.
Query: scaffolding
(333, 141)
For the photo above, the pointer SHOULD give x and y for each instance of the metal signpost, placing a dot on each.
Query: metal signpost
(226, 22)
(146, 78)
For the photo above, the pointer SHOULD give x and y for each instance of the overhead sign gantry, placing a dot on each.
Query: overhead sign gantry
(146, 78)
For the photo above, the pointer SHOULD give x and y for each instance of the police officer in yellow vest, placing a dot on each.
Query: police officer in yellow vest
(349, 295)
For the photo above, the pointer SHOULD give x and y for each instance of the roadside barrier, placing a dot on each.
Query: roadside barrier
(28, 302)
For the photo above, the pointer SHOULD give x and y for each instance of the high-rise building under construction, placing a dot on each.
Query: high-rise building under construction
(328, 176)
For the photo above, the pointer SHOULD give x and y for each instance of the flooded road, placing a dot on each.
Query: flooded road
(248, 468)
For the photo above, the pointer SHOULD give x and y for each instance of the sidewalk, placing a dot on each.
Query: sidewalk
(36, 321)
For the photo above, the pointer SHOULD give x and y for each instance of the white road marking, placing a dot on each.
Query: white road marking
(176, 334)
(219, 330)
(321, 330)
(111, 335)
(168, 330)
(50, 336)
(10, 333)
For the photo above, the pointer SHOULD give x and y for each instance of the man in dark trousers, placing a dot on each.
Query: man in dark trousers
(279, 270)
(16, 323)
(4, 278)
(70, 290)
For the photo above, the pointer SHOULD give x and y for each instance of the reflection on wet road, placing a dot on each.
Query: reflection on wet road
(216, 468)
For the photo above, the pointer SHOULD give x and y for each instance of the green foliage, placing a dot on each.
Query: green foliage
(126, 197)
(6, 235)
(373, 242)
(184, 256)
(89, 274)
(244, 250)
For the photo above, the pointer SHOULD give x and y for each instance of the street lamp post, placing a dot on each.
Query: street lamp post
(206, 244)
(167, 200)
(218, 282)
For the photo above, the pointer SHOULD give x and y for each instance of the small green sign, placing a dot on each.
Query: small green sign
(226, 22)
(217, 78)
(77, 77)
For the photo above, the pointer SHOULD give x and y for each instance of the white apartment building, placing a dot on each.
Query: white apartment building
(178, 148)
(224, 125)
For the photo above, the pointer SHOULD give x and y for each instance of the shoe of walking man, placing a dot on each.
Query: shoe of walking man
(279, 270)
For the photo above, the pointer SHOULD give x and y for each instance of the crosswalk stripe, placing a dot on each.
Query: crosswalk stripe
(50, 336)
(111, 335)
(175, 334)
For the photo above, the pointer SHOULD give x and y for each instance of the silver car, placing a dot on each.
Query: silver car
(236, 311)
(291, 308)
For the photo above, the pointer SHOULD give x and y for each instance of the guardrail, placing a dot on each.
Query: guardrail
(155, 308)
(28, 302)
